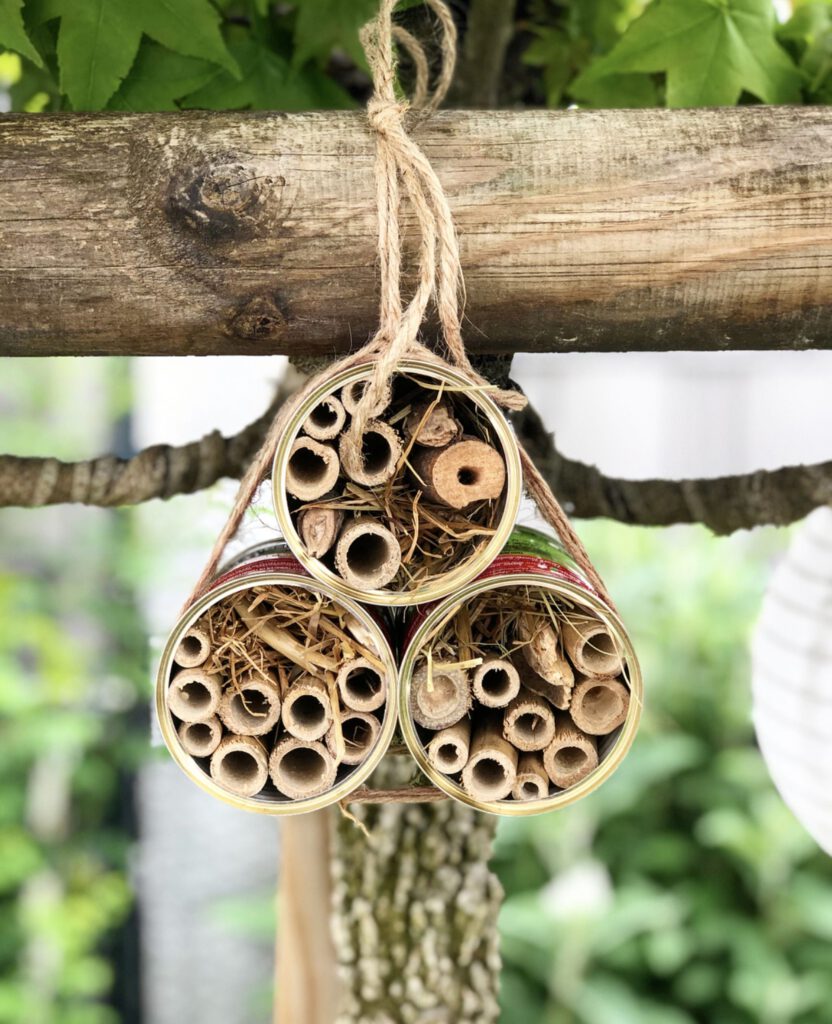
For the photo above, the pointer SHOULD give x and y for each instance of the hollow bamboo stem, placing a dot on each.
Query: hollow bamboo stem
(464, 472)
(542, 650)
(367, 554)
(361, 686)
(491, 770)
(529, 722)
(374, 461)
(302, 768)
(432, 424)
(312, 469)
(252, 708)
(532, 782)
(449, 748)
(359, 732)
(591, 647)
(599, 705)
(307, 709)
(200, 739)
(193, 695)
(318, 529)
(240, 765)
(351, 395)
(193, 648)
(558, 695)
(571, 755)
(326, 420)
(495, 682)
(439, 696)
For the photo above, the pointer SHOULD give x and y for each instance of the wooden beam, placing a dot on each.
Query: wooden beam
(200, 233)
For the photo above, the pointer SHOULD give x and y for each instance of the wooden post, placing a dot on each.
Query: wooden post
(306, 984)
(206, 233)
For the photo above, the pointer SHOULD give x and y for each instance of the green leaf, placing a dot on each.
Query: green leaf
(13, 32)
(808, 34)
(711, 51)
(619, 91)
(322, 25)
(268, 82)
(99, 39)
(159, 77)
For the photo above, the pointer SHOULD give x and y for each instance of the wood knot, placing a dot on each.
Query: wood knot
(258, 319)
(224, 201)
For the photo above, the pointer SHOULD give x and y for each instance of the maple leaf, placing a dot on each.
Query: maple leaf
(13, 32)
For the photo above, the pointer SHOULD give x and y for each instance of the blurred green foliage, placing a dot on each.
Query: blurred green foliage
(682, 890)
(72, 674)
(256, 54)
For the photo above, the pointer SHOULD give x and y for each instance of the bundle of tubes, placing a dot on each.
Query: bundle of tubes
(518, 695)
(278, 691)
(424, 494)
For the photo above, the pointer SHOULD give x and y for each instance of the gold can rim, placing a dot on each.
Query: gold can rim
(188, 764)
(621, 744)
(447, 584)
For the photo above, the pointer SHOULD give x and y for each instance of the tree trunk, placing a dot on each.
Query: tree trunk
(415, 912)
(206, 233)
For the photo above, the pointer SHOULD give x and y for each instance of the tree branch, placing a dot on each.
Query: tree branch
(479, 70)
(723, 504)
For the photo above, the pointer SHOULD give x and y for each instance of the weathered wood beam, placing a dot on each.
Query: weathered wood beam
(234, 233)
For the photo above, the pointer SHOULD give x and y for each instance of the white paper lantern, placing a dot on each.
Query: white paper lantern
(792, 677)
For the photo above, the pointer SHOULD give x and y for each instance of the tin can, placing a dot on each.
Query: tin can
(530, 560)
(434, 377)
(272, 565)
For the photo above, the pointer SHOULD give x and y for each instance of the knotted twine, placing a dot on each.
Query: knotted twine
(401, 164)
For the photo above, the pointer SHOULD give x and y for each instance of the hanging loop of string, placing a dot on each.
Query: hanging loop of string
(401, 168)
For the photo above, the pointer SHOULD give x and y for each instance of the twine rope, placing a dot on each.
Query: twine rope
(401, 164)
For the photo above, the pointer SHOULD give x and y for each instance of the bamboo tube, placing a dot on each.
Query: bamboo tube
(376, 462)
(599, 705)
(558, 695)
(326, 420)
(351, 395)
(460, 474)
(301, 768)
(542, 651)
(432, 424)
(495, 683)
(532, 782)
(367, 554)
(252, 708)
(571, 755)
(193, 648)
(240, 765)
(193, 695)
(439, 696)
(590, 646)
(529, 722)
(491, 770)
(449, 748)
(307, 709)
(200, 739)
(312, 469)
(318, 529)
(359, 732)
(361, 685)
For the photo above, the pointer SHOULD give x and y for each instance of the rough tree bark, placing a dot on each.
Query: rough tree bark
(580, 230)
(415, 912)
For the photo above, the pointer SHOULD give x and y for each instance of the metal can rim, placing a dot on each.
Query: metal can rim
(621, 744)
(195, 772)
(447, 584)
